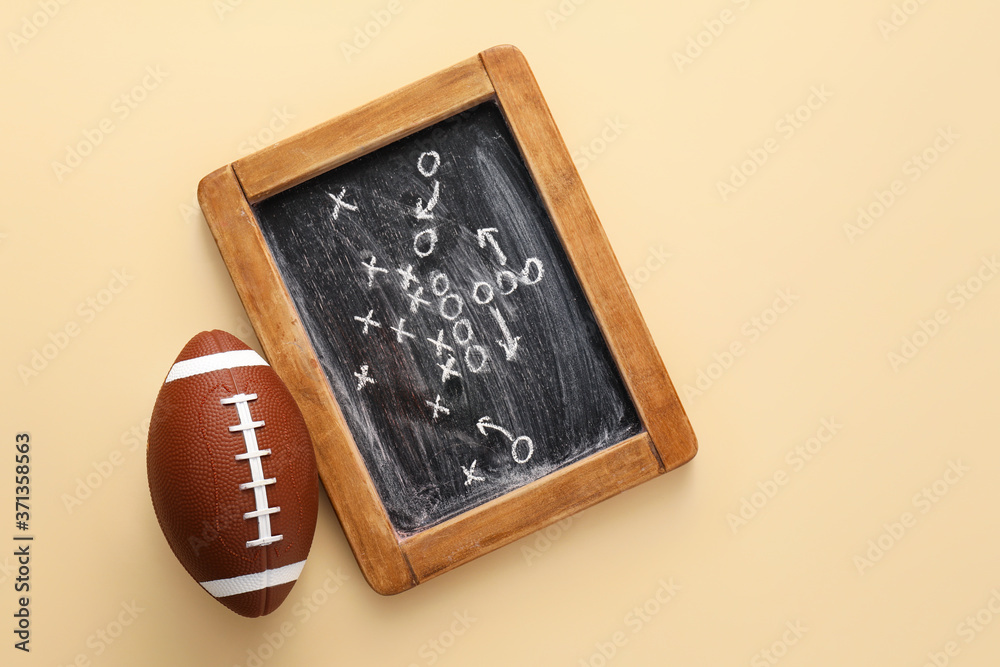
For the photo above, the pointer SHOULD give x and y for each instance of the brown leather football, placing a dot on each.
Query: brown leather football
(232, 474)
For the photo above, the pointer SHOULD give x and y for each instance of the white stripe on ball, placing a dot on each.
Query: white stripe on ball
(214, 362)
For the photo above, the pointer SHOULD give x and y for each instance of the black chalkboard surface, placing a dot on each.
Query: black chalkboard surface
(447, 318)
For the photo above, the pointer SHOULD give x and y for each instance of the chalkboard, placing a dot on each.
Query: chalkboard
(428, 276)
(447, 318)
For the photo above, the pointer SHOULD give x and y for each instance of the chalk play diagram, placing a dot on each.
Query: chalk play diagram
(451, 327)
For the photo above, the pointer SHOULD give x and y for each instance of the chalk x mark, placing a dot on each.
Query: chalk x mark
(373, 270)
(438, 407)
(440, 344)
(400, 331)
(470, 474)
(408, 276)
(340, 203)
(448, 370)
(367, 320)
(415, 300)
(363, 377)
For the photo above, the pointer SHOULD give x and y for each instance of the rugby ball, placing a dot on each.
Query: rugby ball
(232, 474)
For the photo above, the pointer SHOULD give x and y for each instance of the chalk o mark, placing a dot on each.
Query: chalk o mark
(436, 162)
(436, 286)
(432, 239)
(458, 309)
(465, 327)
(511, 278)
(532, 261)
(477, 350)
(482, 300)
(514, 447)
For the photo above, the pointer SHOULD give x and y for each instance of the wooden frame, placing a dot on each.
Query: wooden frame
(392, 563)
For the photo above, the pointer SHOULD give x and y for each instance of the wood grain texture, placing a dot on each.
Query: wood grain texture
(532, 507)
(590, 252)
(380, 122)
(279, 329)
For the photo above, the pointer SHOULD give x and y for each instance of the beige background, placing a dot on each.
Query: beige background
(672, 131)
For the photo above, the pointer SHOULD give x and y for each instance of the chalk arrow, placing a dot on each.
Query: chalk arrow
(509, 343)
(485, 423)
(485, 235)
(424, 212)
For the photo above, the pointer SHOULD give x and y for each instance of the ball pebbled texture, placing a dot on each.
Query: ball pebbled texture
(231, 468)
